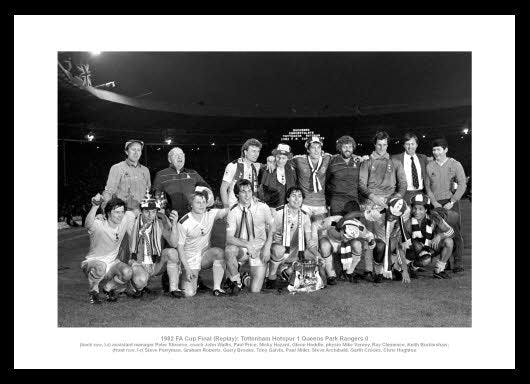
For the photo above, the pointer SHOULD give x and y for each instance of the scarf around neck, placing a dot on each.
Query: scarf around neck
(151, 240)
(425, 237)
(315, 184)
(286, 239)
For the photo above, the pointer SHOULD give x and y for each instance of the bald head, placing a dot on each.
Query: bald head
(177, 158)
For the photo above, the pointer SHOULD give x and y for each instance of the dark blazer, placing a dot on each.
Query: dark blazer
(423, 163)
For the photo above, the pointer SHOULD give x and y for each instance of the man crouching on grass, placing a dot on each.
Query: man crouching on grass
(291, 236)
(429, 237)
(192, 236)
(248, 237)
(147, 257)
(101, 263)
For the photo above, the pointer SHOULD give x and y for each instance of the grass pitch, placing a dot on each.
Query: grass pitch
(426, 302)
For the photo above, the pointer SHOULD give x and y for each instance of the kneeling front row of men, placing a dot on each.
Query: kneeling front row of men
(269, 239)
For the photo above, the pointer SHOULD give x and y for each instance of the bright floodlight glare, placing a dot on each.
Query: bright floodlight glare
(168, 141)
(466, 130)
(90, 137)
(213, 144)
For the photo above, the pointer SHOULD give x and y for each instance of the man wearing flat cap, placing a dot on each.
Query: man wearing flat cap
(128, 180)
(273, 185)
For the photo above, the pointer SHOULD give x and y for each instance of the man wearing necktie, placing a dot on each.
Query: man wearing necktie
(248, 237)
(414, 165)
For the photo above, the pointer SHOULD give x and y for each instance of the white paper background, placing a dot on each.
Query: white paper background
(39, 343)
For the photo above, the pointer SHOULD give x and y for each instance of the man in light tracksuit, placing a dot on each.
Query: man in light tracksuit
(379, 178)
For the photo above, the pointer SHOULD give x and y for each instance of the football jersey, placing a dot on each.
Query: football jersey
(195, 235)
(292, 221)
(105, 241)
(260, 216)
(230, 173)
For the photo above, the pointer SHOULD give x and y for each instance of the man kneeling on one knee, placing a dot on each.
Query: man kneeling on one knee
(292, 234)
(429, 237)
(102, 264)
(192, 236)
(148, 259)
(248, 237)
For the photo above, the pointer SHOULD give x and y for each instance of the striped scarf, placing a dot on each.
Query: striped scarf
(151, 240)
(425, 237)
(345, 249)
(316, 185)
(286, 239)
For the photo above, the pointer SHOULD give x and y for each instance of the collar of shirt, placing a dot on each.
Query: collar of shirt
(442, 163)
(407, 160)
(182, 170)
(248, 207)
(375, 156)
(130, 164)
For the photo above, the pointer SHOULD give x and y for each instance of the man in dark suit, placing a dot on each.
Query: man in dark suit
(414, 164)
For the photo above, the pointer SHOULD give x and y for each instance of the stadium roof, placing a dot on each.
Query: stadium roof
(235, 95)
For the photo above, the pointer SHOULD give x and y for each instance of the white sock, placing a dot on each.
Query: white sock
(355, 261)
(236, 277)
(173, 274)
(218, 273)
(439, 267)
(273, 269)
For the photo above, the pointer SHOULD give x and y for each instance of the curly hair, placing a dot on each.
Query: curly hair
(345, 140)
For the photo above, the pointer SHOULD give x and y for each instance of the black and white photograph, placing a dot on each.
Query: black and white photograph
(217, 187)
(264, 189)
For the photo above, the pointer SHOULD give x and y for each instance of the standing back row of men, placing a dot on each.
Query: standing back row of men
(270, 205)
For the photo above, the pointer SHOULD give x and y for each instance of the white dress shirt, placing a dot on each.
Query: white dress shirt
(407, 164)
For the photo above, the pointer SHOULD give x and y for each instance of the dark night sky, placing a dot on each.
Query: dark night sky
(275, 80)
